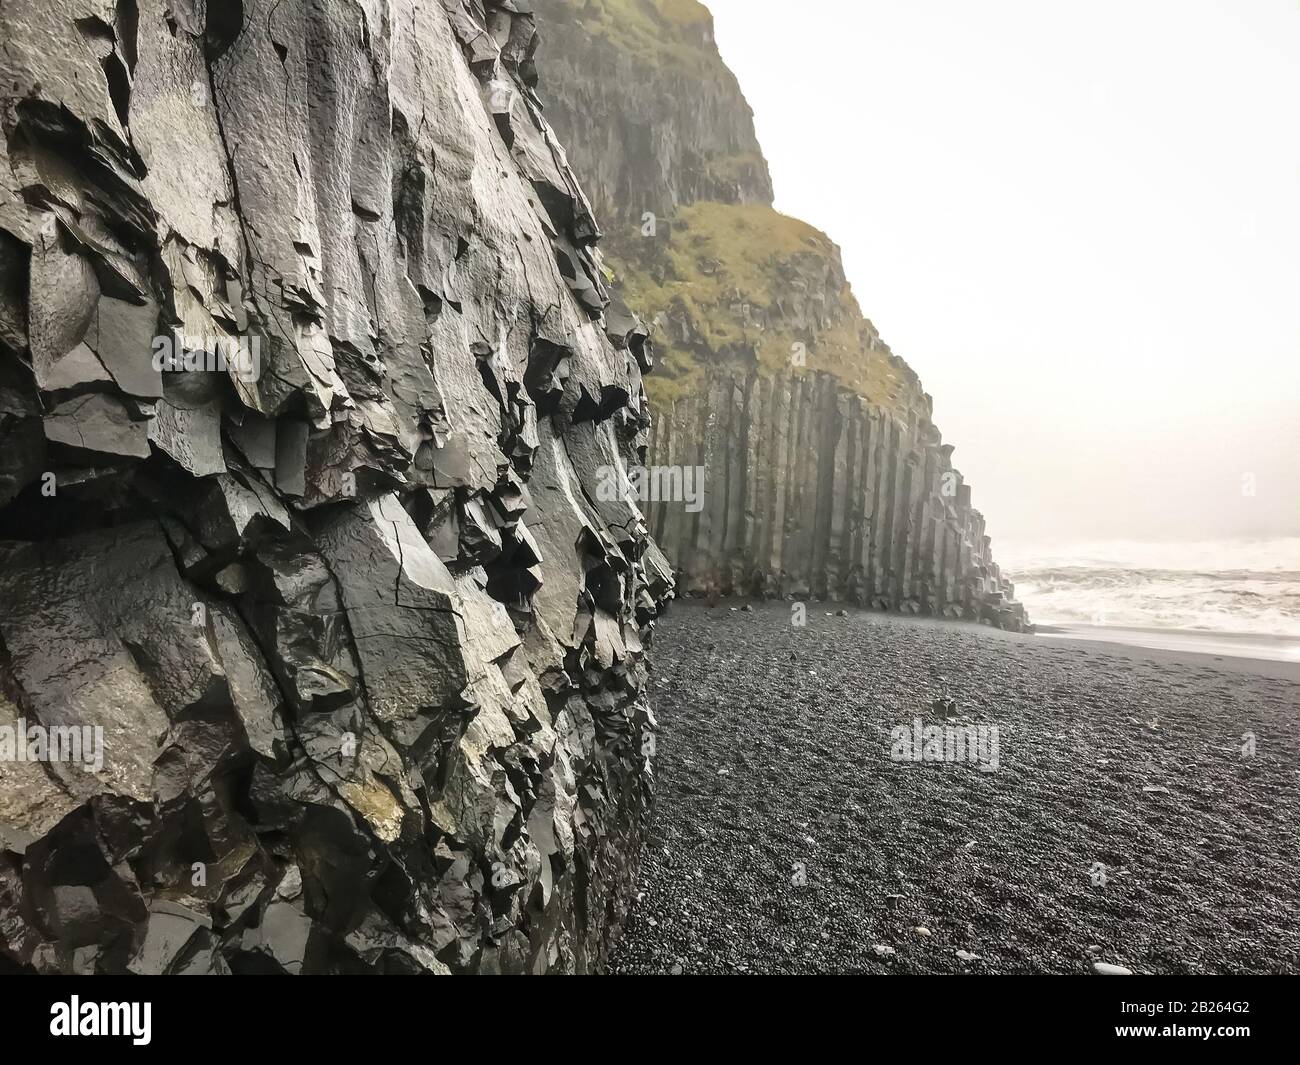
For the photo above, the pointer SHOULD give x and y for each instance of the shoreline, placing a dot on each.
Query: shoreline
(1278, 657)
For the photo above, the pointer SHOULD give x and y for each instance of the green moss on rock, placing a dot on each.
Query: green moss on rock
(743, 283)
(668, 30)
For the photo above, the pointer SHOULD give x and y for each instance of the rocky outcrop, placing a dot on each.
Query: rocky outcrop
(318, 652)
(815, 440)
(807, 490)
(614, 68)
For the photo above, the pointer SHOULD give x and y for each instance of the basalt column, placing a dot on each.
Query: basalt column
(810, 491)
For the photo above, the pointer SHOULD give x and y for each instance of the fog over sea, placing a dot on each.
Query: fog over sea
(1238, 597)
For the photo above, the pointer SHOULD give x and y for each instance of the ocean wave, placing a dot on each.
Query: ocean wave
(1112, 575)
(1257, 590)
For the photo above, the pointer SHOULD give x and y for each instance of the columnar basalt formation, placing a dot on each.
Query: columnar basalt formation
(820, 457)
(305, 380)
(810, 491)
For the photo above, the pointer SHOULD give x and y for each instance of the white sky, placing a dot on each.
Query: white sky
(1080, 224)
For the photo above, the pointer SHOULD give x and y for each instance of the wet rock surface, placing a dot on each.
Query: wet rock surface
(305, 382)
(788, 840)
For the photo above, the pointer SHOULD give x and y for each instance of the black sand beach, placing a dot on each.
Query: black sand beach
(787, 840)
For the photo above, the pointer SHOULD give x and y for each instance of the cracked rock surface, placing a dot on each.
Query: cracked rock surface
(306, 377)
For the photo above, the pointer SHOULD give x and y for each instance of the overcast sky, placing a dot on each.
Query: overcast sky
(1080, 224)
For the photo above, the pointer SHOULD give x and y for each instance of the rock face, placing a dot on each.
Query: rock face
(810, 491)
(815, 441)
(305, 381)
(616, 70)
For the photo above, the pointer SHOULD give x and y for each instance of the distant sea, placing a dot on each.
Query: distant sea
(1238, 597)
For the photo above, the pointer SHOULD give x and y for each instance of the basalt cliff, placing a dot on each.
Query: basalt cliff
(823, 473)
(322, 645)
(318, 650)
